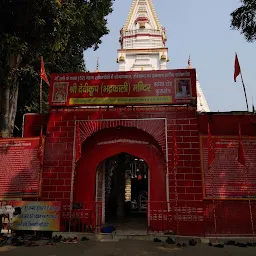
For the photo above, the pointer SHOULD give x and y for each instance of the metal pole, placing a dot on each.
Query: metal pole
(250, 203)
(176, 199)
(73, 173)
(214, 207)
(41, 96)
(167, 167)
(244, 91)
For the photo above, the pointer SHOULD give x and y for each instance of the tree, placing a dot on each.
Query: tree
(58, 30)
(244, 19)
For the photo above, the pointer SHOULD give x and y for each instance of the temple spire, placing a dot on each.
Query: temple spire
(142, 40)
(142, 8)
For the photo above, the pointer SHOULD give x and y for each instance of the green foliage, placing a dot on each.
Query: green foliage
(244, 19)
(58, 30)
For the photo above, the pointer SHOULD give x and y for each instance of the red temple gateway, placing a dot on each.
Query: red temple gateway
(131, 148)
(109, 152)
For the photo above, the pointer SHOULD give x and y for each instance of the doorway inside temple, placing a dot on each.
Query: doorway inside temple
(123, 187)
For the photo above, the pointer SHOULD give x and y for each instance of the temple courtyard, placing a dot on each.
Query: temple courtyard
(124, 248)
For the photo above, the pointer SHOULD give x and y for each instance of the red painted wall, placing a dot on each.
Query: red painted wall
(228, 123)
(58, 158)
(32, 124)
(232, 216)
(195, 216)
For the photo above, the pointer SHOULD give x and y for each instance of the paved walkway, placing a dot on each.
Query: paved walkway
(124, 248)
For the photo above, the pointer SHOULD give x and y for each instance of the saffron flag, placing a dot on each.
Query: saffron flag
(43, 73)
(211, 150)
(241, 154)
(78, 143)
(237, 71)
(175, 150)
(41, 147)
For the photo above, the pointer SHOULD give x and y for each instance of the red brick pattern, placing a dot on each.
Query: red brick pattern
(189, 179)
(59, 150)
(194, 215)
(58, 159)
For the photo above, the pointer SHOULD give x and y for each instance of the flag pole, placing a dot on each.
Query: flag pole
(214, 209)
(210, 161)
(176, 200)
(250, 203)
(73, 174)
(244, 90)
(41, 159)
(41, 96)
(175, 163)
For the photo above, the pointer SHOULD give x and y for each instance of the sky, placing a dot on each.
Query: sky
(201, 29)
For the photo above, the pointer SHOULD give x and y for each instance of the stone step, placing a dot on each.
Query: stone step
(104, 236)
(128, 235)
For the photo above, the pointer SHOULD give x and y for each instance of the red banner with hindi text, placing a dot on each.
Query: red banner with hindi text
(161, 87)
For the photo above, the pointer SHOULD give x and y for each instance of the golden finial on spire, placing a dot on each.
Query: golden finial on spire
(189, 63)
(97, 65)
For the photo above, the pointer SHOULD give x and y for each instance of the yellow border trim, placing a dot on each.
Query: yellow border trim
(128, 20)
(206, 198)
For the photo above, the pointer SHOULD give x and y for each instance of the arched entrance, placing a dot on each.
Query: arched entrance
(122, 184)
(110, 142)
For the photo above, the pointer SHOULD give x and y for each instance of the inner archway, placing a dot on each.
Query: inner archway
(122, 184)
(110, 142)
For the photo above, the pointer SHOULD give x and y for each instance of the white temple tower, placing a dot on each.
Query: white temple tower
(142, 40)
(143, 44)
(202, 105)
